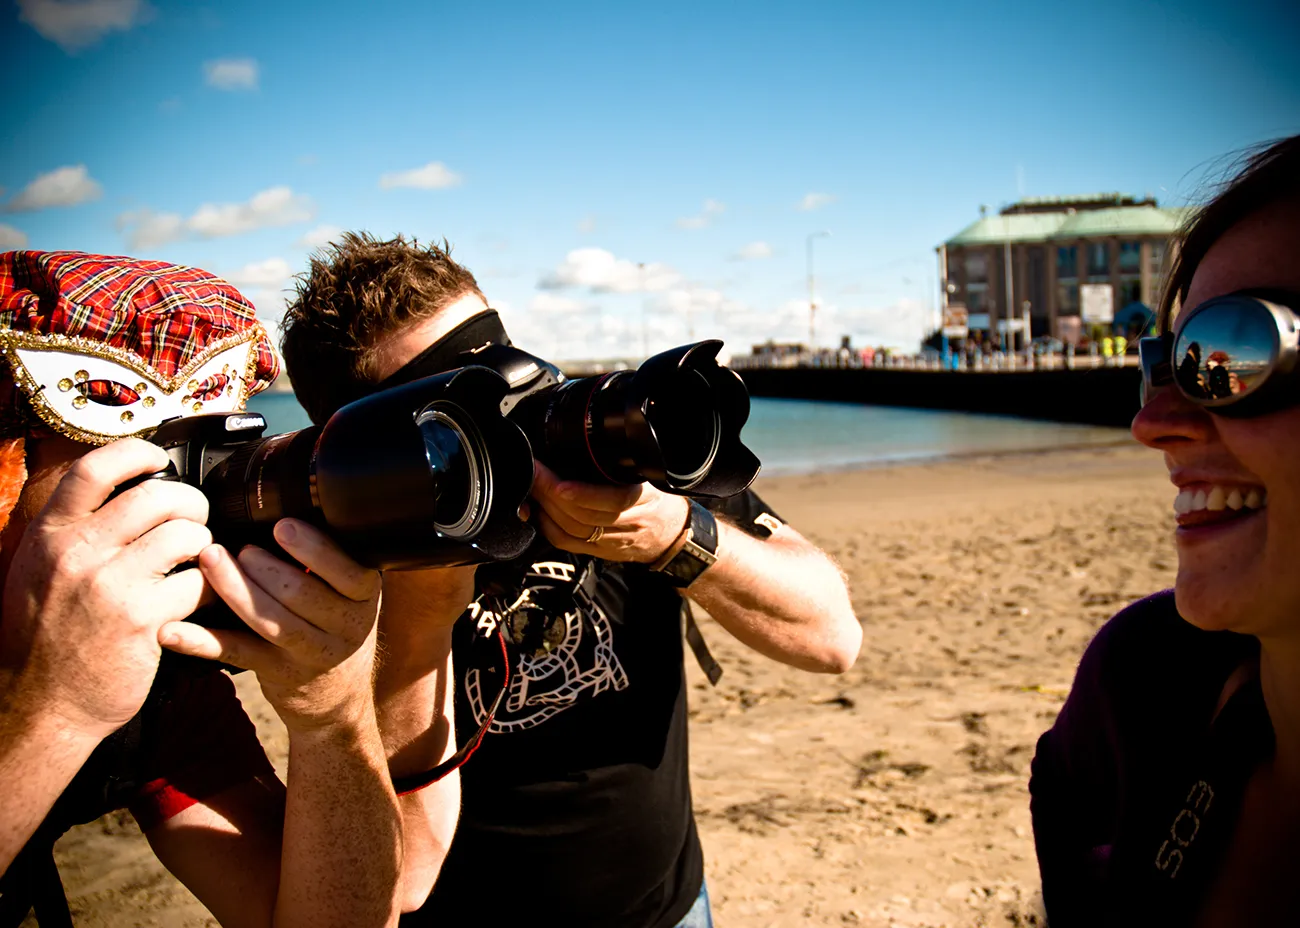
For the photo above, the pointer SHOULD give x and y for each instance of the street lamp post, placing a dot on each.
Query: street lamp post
(812, 291)
(645, 331)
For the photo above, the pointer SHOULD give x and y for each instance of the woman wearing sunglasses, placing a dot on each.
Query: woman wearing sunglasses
(1168, 790)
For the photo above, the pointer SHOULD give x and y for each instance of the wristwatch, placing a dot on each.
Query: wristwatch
(694, 551)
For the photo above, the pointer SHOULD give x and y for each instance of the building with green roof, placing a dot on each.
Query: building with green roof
(1057, 265)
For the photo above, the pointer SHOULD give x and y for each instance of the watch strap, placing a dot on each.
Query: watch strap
(694, 551)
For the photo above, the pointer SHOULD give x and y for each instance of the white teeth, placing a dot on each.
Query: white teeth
(1216, 499)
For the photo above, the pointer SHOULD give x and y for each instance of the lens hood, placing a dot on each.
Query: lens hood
(688, 380)
(380, 475)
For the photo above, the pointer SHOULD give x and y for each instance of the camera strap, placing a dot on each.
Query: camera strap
(586, 589)
(32, 883)
(699, 647)
(418, 781)
(445, 354)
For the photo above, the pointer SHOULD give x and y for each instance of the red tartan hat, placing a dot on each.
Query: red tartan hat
(149, 331)
(164, 313)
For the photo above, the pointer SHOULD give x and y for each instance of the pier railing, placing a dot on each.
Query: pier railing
(997, 361)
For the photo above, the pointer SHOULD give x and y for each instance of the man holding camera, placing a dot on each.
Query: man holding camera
(94, 715)
(576, 805)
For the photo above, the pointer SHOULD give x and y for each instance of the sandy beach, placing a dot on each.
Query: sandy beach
(894, 795)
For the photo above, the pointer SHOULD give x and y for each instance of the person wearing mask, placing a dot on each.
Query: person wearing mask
(108, 697)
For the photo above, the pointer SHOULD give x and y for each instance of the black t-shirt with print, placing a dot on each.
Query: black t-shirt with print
(577, 806)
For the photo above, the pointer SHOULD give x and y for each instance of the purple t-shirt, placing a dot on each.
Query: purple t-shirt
(1143, 698)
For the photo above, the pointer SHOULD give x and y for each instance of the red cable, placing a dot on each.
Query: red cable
(420, 781)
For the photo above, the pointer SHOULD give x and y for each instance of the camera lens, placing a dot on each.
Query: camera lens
(459, 469)
(685, 421)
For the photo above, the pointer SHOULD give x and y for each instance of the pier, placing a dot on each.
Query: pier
(1094, 396)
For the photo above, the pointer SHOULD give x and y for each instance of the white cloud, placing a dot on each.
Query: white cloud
(754, 251)
(278, 206)
(66, 186)
(144, 228)
(231, 73)
(601, 272)
(898, 325)
(320, 236)
(76, 24)
(711, 210)
(555, 304)
(433, 176)
(273, 207)
(587, 224)
(265, 284)
(812, 201)
(273, 272)
(11, 238)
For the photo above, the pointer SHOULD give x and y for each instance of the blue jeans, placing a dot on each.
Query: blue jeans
(700, 916)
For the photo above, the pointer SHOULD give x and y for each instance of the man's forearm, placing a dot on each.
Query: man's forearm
(783, 598)
(39, 756)
(342, 848)
(414, 702)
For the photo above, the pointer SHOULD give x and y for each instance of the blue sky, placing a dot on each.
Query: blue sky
(558, 146)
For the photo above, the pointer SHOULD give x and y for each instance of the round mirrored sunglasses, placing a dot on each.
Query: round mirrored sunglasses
(1235, 355)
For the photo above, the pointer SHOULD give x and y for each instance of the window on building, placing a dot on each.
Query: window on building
(1067, 300)
(1130, 291)
(1099, 259)
(1157, 258)
(1067, 262)
(1130, 257)
(952, 262)
(977, 298)
(977, 267)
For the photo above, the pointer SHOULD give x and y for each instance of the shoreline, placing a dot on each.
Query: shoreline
(921, 459)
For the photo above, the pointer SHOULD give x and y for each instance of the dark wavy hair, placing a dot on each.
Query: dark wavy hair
(356, 291)
(1269, 174)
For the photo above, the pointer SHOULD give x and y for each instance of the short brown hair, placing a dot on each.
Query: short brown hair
(356, 291)
(1270, 174)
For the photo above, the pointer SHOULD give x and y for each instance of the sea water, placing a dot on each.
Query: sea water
(802, 436)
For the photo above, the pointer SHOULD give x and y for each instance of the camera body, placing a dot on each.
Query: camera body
(426, 474)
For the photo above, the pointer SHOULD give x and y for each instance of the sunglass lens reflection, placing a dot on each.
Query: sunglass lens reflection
(1225, 351)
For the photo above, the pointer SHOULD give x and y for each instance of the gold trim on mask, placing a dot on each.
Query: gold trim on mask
(11, 341)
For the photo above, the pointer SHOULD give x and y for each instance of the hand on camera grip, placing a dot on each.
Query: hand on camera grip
(310, 634)
(91, 583)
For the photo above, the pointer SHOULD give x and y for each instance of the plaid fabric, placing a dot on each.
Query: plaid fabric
(164, 313)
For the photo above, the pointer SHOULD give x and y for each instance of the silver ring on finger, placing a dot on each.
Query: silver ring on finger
(596, 532)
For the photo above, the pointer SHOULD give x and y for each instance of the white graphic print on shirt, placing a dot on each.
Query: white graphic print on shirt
(546, 683)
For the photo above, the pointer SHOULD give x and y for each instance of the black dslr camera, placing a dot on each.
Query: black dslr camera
(432, 469)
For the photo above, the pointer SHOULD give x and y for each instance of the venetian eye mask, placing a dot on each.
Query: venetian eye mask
(95, 393)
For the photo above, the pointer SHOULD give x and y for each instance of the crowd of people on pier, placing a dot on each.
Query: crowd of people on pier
(1166, 792)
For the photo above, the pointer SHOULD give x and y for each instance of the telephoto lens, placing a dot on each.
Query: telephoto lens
(429, 473)
(675, 421)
